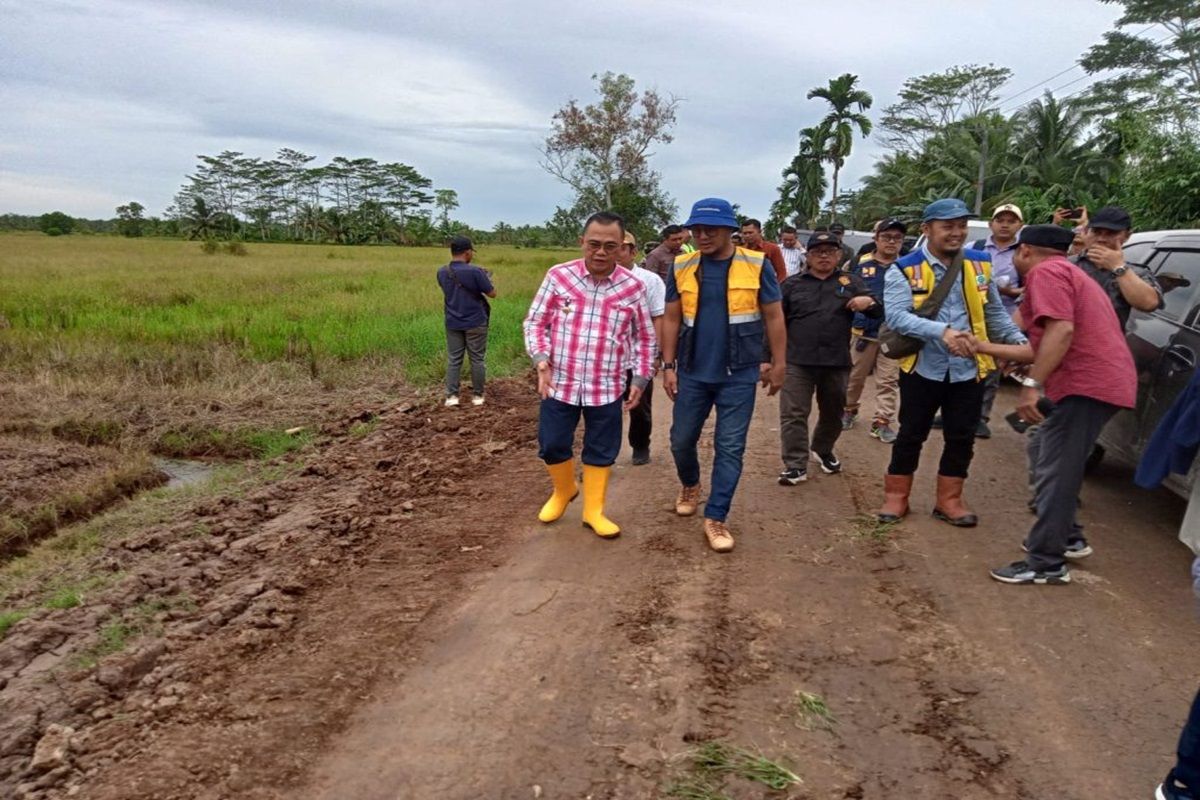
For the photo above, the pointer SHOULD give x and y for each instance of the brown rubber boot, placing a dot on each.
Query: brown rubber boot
(896, 489)
(949, 506)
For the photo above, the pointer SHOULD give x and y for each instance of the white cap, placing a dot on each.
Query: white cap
(1010, 208)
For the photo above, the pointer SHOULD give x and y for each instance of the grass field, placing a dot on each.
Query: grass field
(84, 305)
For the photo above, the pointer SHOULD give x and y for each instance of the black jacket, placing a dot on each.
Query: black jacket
(818, 322)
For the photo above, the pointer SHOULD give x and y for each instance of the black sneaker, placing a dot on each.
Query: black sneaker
(1020, 572)
(1077, 549)
(829, 463)
(641, 455)
(791, 477)
(1171, 789)
(982, 431)
(937, 421)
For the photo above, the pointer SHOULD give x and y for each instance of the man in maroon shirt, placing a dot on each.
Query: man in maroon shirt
(661, 260)
(752, 239)
(1081, 362)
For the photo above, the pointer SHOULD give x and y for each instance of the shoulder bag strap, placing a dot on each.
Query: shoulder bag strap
(942, 289)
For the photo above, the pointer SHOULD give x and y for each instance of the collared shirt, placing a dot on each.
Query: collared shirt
(1002, 267)
(660, 261)
(1112, 288)
(793, 258)
(774, 255)
(591, 331)
(935, 361)
(656, 290)
(818, 322)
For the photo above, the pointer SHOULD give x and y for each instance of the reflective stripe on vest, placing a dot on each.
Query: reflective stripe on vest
(976, 280)
(745, 275)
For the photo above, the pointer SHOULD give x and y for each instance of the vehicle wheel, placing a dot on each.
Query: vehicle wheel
(1093, 460)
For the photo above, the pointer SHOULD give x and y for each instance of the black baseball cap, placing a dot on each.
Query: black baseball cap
(460, 244)
(890, 223)
(822, 238)
(1112, 218)
(1055, 237)
(837, 227)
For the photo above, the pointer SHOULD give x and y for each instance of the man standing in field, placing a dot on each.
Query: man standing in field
(587, 323)
(719, 300)
(466, 287)
(864, 346)
(661, 259)
(752, 239)
(1081, 361)
(641, 419)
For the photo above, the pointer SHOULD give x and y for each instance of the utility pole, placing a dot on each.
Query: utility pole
(983, 155)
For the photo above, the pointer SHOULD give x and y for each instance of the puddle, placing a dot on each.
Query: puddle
(181, 472)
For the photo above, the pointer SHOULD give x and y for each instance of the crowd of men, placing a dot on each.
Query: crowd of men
(937, 326)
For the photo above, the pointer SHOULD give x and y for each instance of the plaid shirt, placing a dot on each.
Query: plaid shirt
(591, 331)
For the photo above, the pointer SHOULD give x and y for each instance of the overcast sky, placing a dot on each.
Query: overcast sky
(106, 102)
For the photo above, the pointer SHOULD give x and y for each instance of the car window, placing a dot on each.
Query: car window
(1138, 253)
(1179, 277)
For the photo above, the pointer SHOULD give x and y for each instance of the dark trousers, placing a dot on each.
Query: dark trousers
(473, 342)
(795, 404)
(734, 403)
(991, 385)
(641, 416)
(920, 401)
(601, 432)
(1065, 440)
(1187, 767)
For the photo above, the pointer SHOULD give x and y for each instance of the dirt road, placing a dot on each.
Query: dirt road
(477, 654)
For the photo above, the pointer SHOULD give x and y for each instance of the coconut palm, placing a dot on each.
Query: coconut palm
(1056, 157)
(804, 181)
(843, 97)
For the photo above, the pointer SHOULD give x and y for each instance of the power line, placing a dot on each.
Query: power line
(1059, 74)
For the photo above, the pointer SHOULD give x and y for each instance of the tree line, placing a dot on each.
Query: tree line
(1130, 138)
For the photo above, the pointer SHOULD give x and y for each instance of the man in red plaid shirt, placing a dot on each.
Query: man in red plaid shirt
(588, 324)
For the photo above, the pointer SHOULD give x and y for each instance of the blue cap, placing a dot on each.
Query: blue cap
(712, 211)
(949, 208)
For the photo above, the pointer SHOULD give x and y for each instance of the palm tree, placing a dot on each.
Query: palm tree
(1055, 157)
(804, 181)
(842, 96)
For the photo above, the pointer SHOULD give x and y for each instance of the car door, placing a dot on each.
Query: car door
(1179, 273)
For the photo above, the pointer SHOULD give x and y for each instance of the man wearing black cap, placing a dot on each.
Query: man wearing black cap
(1103, 259)
(466, 288)
(1082, 364)
(864, 347)
(847, 256)
(819, 308)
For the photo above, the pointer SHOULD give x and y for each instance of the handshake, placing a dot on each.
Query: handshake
(962, 343)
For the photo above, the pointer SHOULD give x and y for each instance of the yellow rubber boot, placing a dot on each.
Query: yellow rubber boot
(565, 490)
(595, 487)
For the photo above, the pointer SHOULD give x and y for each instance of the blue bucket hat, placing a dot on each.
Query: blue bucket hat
(712, 211)
(948, 208)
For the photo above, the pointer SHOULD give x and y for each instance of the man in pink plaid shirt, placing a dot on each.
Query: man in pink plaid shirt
(588, 324)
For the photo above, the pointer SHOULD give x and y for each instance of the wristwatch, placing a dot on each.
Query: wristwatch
(1119, 271)
(666, 365)
(1030, 383)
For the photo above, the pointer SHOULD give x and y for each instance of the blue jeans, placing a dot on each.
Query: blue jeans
(735, 405)
(601, 432)
(1187, 767)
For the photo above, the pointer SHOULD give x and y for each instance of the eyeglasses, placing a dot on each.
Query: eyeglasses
(894, 237)
(607, 247)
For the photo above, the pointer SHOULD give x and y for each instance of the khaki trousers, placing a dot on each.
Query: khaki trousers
(887, 376)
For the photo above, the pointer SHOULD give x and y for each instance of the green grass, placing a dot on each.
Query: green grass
(868, 526)
(811, 711)
(712, 764)
(190, 442)
(10, 618)
(104, 302)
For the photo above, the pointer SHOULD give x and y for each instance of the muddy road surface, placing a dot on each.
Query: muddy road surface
(461, 650)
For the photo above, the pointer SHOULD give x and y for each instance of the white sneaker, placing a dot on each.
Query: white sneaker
(452, 400)
(477, 400)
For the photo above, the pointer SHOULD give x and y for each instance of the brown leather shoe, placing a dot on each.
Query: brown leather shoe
(896, 489)
(718, 535)
(688, 500)
(950, 507)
